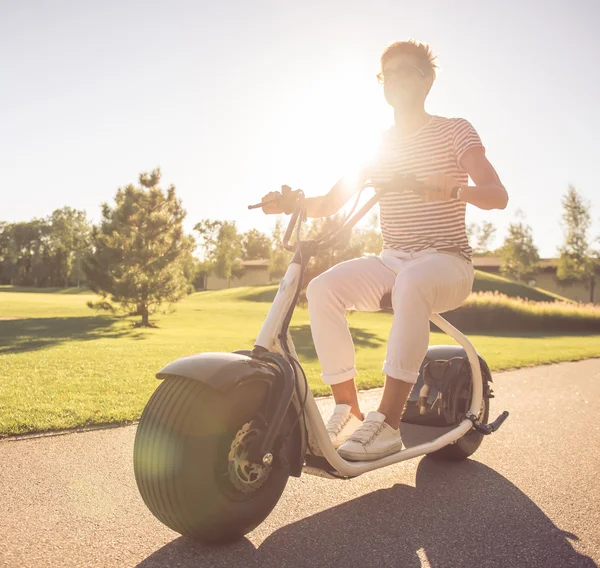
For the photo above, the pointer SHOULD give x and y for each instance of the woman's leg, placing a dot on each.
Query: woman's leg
(357, 284)
(433, 283)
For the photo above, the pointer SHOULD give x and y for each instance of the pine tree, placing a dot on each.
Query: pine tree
(141, 257)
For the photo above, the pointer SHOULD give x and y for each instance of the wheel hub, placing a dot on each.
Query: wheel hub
(245, 475)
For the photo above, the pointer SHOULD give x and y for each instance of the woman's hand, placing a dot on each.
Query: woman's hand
(273, 208)
(445, 187)
(283, 201)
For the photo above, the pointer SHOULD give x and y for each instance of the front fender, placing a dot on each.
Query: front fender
(224, 371)
(220, 371)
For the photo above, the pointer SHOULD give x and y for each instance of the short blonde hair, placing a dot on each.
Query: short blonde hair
(421, 51)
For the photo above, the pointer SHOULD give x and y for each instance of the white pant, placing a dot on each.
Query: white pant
(421, 283)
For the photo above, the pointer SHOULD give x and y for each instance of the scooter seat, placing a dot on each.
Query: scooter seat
(386, 303)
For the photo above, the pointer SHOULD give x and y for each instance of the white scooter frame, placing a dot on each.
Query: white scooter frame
(267, 339)
(318, 436)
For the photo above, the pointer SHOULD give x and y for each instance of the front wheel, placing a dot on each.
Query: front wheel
(191, 460)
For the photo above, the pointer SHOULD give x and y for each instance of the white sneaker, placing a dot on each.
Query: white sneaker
(342, 424)
(373, 440)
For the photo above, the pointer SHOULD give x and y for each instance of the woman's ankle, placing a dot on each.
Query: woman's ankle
(354, 408)
(345, 393)
(356, 412)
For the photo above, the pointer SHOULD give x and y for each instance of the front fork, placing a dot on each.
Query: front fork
(269, 346)
(268, 337)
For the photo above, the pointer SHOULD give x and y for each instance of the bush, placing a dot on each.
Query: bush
(491, 312)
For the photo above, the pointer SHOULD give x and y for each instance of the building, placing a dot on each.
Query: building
(254, 273)
(545, 278)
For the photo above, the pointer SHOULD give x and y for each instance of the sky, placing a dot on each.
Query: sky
(233, 99)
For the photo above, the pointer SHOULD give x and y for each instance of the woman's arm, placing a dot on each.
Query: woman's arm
(324, 205)
(488, 192)
(337, 197)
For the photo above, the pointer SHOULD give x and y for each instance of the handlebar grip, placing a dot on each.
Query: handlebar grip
(408, 183)
(257, 205)
(287, 200)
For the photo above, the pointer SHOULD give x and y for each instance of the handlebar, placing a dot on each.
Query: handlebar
(399, 183)
(287, 199)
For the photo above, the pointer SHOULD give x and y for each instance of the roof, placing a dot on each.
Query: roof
(257, 262)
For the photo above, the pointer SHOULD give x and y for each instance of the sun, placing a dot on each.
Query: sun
(329, 131)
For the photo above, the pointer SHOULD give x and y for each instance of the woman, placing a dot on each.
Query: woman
(426, 259)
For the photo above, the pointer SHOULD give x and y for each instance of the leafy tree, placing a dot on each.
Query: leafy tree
(280, 258)
(201, 269)
(349, 245)
(222, 247)
(23, 253)
(8, 254)
(520, 256)
(577, 260)
(481, 236)
(29, 245)
(255, 245)
(141, 257)
(44, 252)
(69, 241)
(370, 236)
(359, 241)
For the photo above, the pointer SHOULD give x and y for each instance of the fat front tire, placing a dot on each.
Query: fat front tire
(190, 460)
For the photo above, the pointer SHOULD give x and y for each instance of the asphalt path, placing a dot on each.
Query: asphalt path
(530, 497)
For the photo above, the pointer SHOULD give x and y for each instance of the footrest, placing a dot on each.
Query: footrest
(319, 466)
(487, 429)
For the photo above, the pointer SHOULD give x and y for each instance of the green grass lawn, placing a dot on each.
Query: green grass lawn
(62, 365)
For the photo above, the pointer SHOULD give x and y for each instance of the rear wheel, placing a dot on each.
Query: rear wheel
(191, 459)
(468, 444)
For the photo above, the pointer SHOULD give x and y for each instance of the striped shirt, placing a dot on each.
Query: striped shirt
(407, 222)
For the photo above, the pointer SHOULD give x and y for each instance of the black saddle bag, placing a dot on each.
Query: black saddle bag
(443, 391)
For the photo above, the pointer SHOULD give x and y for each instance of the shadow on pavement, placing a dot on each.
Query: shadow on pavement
(458, 515)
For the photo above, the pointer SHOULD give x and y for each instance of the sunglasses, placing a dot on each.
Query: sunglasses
(400, 72)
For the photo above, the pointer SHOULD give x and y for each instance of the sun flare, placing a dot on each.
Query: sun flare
(325, 137)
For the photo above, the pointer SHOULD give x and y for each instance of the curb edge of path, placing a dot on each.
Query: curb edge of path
(109, 426)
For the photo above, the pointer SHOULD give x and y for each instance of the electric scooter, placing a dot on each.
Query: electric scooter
(220, 436)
